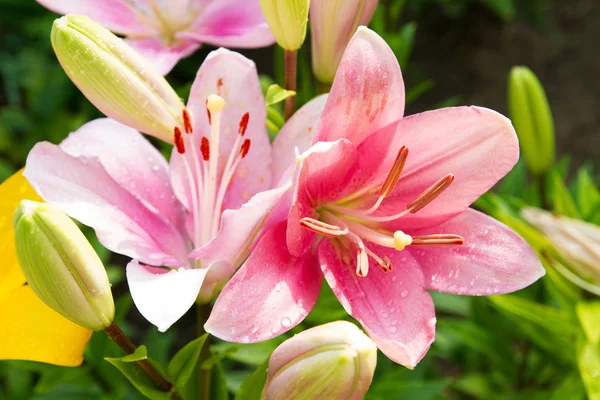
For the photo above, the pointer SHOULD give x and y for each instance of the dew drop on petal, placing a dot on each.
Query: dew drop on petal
(286, 322)
(403, 293)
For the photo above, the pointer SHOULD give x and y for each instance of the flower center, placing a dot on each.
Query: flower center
(208, 181)
(350, 225)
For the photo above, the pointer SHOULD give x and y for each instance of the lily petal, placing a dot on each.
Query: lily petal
(297, 133)
(477, 145)
(233, 77)
(324, 171)
(231, 23)
(163, 296)
(493, 260)
(270, 294)
(131, 160)
(239, 229)
(393, 307)
(30, 330)
(163, 57)
(117, 15)
(82, 188)
(367, 92)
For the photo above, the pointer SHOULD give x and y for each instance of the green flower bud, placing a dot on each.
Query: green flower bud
(332, 361)
(115, 78)
(532, 118)
(287, 20)
(61, 266)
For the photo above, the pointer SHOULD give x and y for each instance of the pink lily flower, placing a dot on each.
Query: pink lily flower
(188, 225)
(167, 31)
(380, 210)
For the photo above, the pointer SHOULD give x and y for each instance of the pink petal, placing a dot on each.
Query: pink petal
(131, 160)
(239, 229)
(270, 294)
(493, 260)
(231, 23)
(324, 172)
(163, 296)
(233, 77)
(297, 133)
(367, 92)
(392, 307)
(477, 145)
(82, 188)
(163, 57)
(117, 15)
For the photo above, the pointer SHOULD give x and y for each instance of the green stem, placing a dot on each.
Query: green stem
(544, 195)
(203, 374)
(290, 64)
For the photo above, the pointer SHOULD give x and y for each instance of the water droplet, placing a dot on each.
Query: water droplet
(278, 286)
(433, 278)
(286, 322)
(393, 329)
(394, 278)
(403, 293)
(155, 168)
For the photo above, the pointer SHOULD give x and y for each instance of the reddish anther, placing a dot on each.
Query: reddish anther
(438, 240)
(219, 85)
(205, 148)
(245, 148)
(187, 121)
(208, 113)
(178, 139)
(430, 194)
(244, 124)
(392, 179)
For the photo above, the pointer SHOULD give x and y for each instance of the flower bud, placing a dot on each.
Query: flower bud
(287, 20)
(532, 118)
(61, 266)
(577, 242)
(332, 361)
(115, 78)
(332, 24)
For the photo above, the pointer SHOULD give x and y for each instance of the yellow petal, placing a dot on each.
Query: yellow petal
(30, 330)
(12, 191)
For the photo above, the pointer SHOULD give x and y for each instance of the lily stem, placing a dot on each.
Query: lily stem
(203, 373)
(117, 336)
(290, 62)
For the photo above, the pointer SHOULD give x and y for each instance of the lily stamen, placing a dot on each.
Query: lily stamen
(187, 121)
(384, 263)
(391, 180)
(430, 194)
(322, 228)
(438, 240)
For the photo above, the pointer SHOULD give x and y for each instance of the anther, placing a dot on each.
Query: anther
(322, 228)
(178, 140)
(245, 148)
(392, 179)
(438, 240)
(219, 85)
(205, 148)
(208, 113)
(187, 121)
(244, 124)
(384, 263)
(430, 194)
(362, 263)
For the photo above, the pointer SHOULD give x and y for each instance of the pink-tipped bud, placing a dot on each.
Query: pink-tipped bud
(332, 361)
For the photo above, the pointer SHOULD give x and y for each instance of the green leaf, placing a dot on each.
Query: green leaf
(252, 387)
(587, 195)
(252, 354)
(417, 91)
(450, 303)
(128, 367)
(549, 318)
(402, 43)
(588, 361)
(183, 364)
(570, 388)
(561, 198)
(277, 94)
(589, 317)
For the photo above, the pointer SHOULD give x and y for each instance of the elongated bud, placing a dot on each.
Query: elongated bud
(577, 242)
(332, 24)
(287, 20)
(332, 361)
(61, 266)
(532, 118)
(115, 78)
